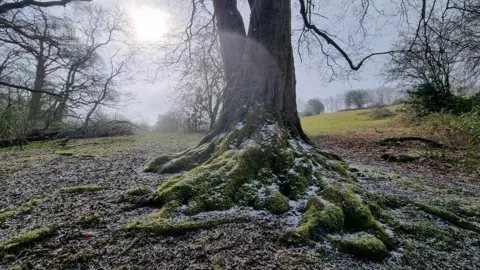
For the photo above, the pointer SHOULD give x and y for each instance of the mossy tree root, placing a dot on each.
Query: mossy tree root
(265, 169)
(449, 217)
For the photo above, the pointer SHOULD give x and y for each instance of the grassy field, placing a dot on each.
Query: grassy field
(109, 146)
(345, 121)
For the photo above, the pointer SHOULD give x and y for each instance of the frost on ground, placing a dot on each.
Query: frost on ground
(87, 229)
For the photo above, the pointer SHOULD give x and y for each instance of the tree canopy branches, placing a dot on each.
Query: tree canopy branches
(5, 7)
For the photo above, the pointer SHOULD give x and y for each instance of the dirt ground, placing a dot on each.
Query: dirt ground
(425, 241)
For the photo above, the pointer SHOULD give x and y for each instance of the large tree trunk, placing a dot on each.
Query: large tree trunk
(35, 103)
(257, 155)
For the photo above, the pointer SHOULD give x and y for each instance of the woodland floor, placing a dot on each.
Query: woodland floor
(425, 242)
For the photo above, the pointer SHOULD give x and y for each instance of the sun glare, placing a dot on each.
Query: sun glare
(150, 23)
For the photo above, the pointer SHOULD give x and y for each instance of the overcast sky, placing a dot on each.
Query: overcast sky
(151, 99)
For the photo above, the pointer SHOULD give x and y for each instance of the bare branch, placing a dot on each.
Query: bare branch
(25, 3)
(308, 24)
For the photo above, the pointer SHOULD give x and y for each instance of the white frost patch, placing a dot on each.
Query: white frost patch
(263, 190)
(271, 128)
(387, 230)
(216, 214)
(297, 160)
(257, 213)
(306, 147)
(232, 212)
(293, 204)
(250, 143)
(221, 135)
(254, 183)
(312, 191)
(325, 202)
(239, 125)
(299, 145)
(293, 144)
(293, 219)
(351, 235)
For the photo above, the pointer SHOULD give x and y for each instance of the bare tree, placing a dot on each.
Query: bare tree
(170, 122)
(356, 98)
(85, 69)
(315, 106)
(383, 96)
(59, 63)
(37, 42)
(435, 53)
(199, 90)
(8, 6)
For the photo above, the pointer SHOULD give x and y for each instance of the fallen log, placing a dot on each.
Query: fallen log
(34, 137)
(394, 140)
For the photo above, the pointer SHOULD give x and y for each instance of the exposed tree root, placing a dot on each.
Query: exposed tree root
(394, 140)
(18, 242)
(268, 170)
(449, 216)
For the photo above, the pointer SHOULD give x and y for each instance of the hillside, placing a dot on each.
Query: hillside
(337, 122)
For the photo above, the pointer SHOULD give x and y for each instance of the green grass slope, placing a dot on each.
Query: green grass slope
(346, 121)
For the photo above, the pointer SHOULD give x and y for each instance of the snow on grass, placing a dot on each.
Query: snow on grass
(263, 190)
(239, 125)
(353, 235)
(234, 212)
(249, 143)
(221, 135)
(312, 191)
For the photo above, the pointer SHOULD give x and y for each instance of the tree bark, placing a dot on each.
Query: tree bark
(35, 102)
(261, 82)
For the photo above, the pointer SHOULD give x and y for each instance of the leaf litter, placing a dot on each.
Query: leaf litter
(28, 175)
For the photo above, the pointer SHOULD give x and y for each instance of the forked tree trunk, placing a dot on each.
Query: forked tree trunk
(259, 67)
(257, 155)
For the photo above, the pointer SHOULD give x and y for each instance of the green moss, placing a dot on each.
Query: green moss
(176, 165)
(166, 226)
(247, 195)
(89, 220)
(168, 210)
(364, 247)
(137, 191)
(318, 175)
(314, 203)
(357, 215)
(298, 179)
(449, 216)
(81, 189)
(24, 208)
(20, 241)
(266, 176)
(276, 203)
(137, 197)
(339, 167)
(215, 185)
(424, 230)
(7, 214)
(331, 219)
(319, 219)
(415, 185)
(182, 161)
